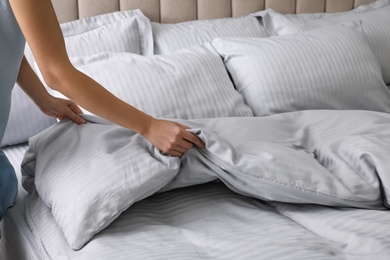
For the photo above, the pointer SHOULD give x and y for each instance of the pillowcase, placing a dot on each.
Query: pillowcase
(328, 68)
(126, 168)
(88, 174)
(128, 31)
(112, 37)
(171, 37)
(104, 33)
(25, 119)
(375, 25)
(360, 9)
(192, 83)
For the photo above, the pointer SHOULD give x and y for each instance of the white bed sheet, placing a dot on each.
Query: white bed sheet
(203, 222)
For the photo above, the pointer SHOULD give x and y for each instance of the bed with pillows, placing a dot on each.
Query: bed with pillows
(294, 110)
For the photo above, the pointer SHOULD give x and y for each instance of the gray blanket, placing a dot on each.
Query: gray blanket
(89, 174)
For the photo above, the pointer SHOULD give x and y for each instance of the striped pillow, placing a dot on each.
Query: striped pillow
(172, 37)
(126, 31)
(360, 9)
(376, 26)
(191, 83)
(25, 119)
(328, 68)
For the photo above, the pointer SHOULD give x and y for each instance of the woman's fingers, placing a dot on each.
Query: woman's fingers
(68, 109)
(74, 107)
(74, 117)
(172, 138)
(193, 139)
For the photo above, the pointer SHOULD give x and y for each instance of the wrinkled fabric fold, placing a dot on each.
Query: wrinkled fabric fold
(89, 174)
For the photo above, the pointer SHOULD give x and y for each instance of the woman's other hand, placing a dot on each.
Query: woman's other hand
(61, 109)
(171, 137)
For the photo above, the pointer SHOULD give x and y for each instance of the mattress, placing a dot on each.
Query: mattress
(206, 221)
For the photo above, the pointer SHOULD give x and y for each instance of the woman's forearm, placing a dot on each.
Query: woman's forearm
(39, 24)
(90, 95)
(30, 83)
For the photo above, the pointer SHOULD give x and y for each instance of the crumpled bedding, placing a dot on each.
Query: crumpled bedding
(326, 157)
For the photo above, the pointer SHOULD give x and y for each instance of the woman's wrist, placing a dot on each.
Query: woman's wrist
(146, 125)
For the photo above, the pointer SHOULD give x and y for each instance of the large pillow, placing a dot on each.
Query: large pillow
(127, 31)
(91, 173)
(25, 119)
(191, 83)
(360, 9)
(328, 68)
(375, 26)
(171, 37)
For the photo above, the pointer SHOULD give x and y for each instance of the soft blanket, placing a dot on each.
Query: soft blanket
(91, 173)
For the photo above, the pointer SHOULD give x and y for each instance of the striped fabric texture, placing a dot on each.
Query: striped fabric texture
(360, 9)
(327, 68)
(125, 31)
(192, 83)
(211, 222)
(25, 119)
(375, 26)
(88, 175)
(171, 37)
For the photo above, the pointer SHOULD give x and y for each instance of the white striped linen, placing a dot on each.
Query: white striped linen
(364, 233)
(200, 222)
(88, 175)
(375, 26)
(124, 31)
(328, 68)
(175, 223)
(112, 37)
(25, 119)
(211, 222)
(360, 9)
(192, 83)
(172, 37)
(127, 31)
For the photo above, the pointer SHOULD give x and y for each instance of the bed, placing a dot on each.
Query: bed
(205, 205)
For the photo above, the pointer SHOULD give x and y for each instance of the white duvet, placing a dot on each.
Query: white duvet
(89, 174)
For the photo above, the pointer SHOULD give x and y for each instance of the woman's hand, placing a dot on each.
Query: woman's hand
(61, 109)
(171, 137)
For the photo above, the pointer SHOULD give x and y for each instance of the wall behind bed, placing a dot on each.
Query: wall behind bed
(173, 11)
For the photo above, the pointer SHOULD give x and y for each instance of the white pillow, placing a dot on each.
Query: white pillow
(191, 83)
(25, 119)
(328, 68)
(171, 37)
(129, 168)
(131, 29)
(128, 31)
(360, 9)
(115, 36)
(376, 26)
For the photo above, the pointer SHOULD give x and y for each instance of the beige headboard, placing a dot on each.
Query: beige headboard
(173, 11)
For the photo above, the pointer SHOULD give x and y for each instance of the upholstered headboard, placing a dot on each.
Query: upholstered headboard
(173, 11)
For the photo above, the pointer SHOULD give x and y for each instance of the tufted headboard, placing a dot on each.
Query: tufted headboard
(173, 11)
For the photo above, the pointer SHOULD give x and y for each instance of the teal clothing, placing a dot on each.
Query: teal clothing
(11, 53)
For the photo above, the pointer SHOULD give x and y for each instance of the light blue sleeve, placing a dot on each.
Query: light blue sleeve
(11, 52)
(8, 184)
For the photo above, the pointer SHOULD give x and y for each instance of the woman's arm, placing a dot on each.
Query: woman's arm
(51, 106)
(40, 26)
